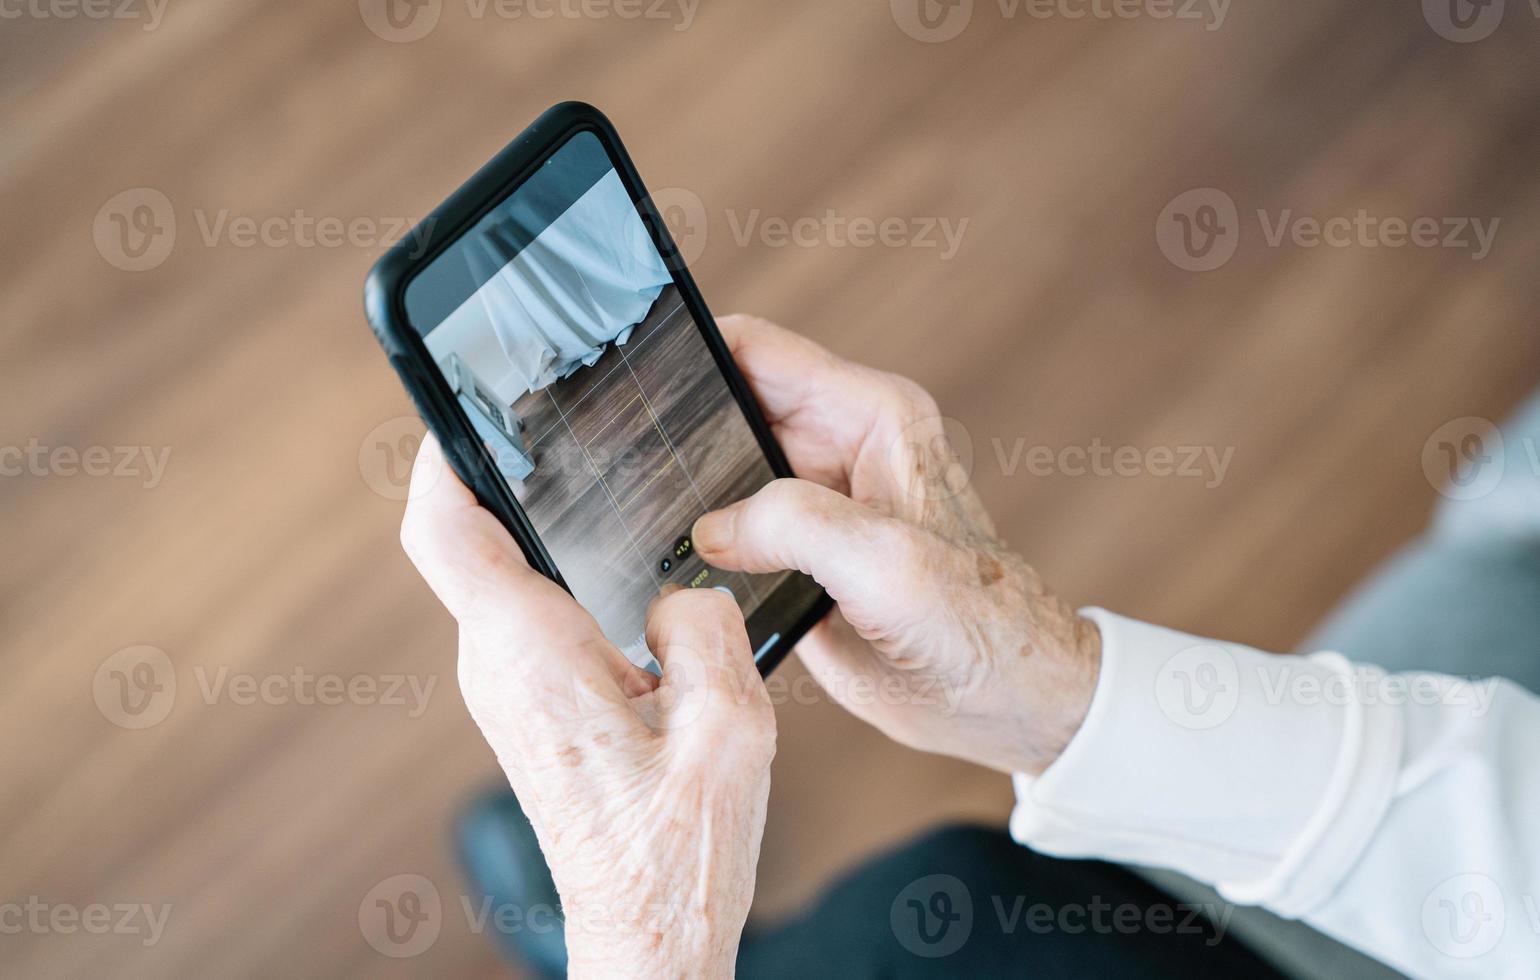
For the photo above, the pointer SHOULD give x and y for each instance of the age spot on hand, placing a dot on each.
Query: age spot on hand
(990, 570)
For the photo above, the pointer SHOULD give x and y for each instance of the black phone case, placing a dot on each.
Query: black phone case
(385, 290)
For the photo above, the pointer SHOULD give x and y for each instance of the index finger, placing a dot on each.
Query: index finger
(518, 616)
(835, 418)
(791, 373)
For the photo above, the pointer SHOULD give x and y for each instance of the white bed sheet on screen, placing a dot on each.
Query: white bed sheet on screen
(584, 282)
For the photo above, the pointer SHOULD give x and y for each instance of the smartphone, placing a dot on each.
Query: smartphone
(548, 332)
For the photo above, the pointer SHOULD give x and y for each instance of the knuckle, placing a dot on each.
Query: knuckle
(912, 398)
(778, 502)
(782, 494)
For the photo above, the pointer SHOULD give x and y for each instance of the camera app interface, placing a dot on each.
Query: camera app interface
(562, 334)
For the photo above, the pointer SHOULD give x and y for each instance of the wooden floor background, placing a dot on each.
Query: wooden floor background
(1058, 322)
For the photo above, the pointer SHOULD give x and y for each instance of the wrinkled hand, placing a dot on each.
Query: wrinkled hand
(944, 639)
(648, 797)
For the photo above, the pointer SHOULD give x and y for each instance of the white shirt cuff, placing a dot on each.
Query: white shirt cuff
(1263, 775)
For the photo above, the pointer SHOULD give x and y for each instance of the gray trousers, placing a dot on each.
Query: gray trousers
(1463, 599)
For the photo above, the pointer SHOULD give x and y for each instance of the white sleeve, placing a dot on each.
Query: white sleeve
(1399, 814)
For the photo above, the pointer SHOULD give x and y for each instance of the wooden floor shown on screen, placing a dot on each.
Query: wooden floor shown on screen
(628, 453)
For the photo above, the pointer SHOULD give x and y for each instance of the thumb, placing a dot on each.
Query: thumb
(702, 646)
(879, 569)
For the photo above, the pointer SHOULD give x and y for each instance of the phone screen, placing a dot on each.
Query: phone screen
(569, 346)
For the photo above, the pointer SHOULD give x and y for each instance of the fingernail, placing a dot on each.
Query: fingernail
(714, 531)
(669, 588)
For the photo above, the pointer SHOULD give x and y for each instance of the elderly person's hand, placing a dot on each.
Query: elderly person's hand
(944, 638)
(648, 797)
